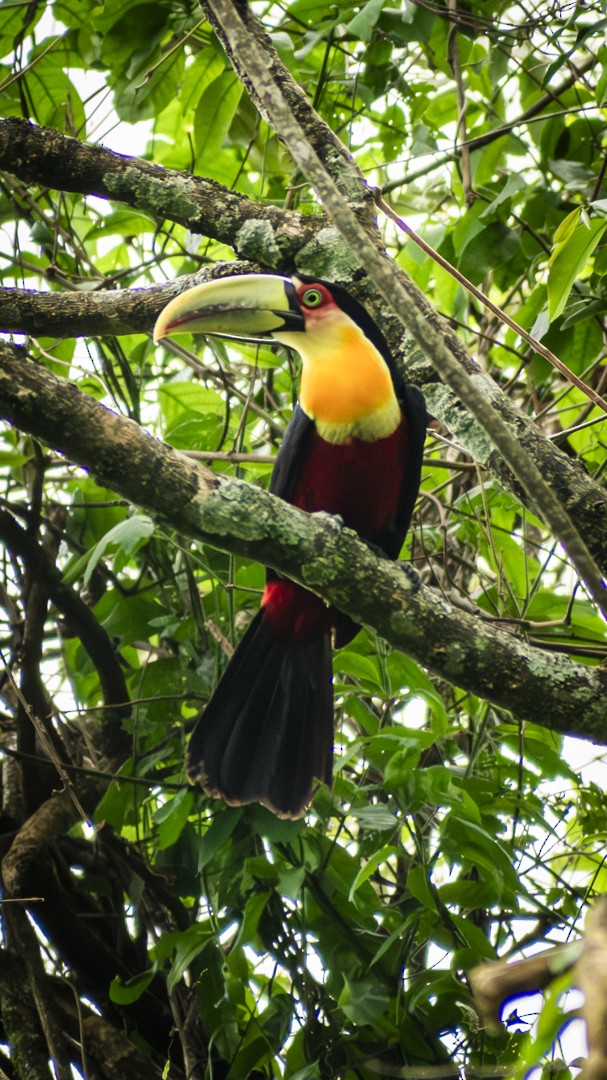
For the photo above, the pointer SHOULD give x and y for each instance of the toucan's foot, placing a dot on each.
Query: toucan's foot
(334, 520)
(414, 577)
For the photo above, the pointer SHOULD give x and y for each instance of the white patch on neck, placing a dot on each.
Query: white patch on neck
(376, 425)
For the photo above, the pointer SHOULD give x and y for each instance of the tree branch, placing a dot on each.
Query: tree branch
(314, 550)
(22, 934)
(41, 155)
(44, 156)
(492, 983)
(591, 978)
(86, 945)
(93, 636)
(20, 1019)
(116, 1057)
(76, 314)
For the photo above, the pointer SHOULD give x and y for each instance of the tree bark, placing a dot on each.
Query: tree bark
(312, 549)
(39, 155)
(22, 1030)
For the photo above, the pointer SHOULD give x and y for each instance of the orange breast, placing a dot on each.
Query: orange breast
(344, 377)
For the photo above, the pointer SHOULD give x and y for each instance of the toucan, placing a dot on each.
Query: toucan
(353, 448)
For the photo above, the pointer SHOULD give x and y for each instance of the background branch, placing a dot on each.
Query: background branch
(82, 621)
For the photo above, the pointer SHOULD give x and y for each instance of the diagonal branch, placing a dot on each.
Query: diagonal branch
(314, 550)
(408, 302)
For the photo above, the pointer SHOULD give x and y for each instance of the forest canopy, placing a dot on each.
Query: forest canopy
(445, 162)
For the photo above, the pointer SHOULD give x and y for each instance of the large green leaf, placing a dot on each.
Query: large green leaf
(574, 243)
(214, 114)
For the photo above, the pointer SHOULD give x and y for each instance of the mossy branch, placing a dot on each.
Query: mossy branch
(44, 156)
(312, 549)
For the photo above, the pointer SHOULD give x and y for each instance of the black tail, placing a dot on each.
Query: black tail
(267, 732)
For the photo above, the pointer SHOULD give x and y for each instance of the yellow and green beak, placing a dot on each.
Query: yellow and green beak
(251, 307)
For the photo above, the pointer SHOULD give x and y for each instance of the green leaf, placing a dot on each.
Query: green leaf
(463, 839)
(371, 866)
(403, 672)
(205, 68)
(181, 400)
(363, 24)
(187, 947)
(514, 184)
(125, 537)
(250, 1059)
(489, 248)
(401, 765)
(469, 894)
(172, 816)
(117, 801)
(13, 23)
(406, 23)
(253, 911)
(125, 993)
(575, 242)
(476, 940)
(359, 667)
(418, 885)
(214, 114)
(363, 1001)
(54, 99)
(374, 818)
(315, 12)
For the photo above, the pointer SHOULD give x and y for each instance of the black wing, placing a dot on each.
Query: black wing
(414, 407)
(293, 451)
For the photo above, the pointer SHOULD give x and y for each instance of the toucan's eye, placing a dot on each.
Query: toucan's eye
(312, 298)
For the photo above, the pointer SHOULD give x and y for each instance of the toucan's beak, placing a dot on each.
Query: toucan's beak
(247, 308)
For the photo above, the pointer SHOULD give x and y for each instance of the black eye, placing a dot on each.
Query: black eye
(312, 298)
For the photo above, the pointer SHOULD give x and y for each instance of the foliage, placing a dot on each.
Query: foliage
(336, 945)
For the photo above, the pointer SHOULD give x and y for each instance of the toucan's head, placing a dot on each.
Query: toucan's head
(258, 307)
(348, 372)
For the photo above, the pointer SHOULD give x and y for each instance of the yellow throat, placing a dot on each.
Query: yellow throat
(346, 386)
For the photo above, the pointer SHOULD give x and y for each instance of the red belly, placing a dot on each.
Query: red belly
(361, 482)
